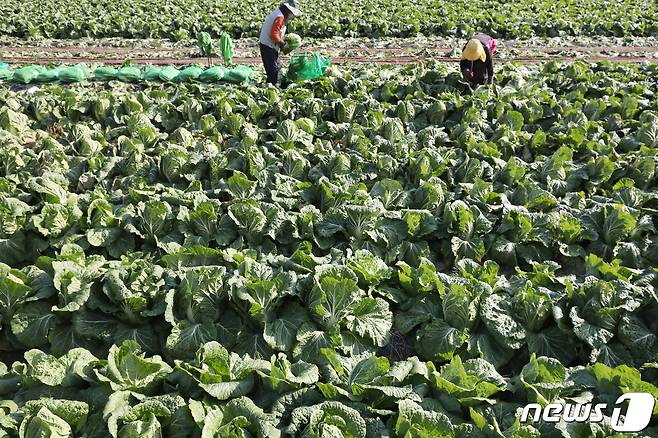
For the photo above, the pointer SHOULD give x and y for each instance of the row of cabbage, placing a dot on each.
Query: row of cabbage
(182, 19)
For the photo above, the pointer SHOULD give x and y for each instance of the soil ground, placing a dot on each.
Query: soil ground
(404, 54)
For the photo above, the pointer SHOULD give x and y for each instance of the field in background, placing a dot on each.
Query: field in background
(182, 19)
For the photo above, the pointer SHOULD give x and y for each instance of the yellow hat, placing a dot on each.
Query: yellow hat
(474, 50)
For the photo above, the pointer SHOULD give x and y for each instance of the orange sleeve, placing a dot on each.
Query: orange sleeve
(275, 33)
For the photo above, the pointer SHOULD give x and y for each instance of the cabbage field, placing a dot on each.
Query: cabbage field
(182, 19)
(383, 252)
(386, 254)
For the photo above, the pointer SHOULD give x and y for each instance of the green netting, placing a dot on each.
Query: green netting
(226, 47)
(27, 74)
(161, 74)
(189, 74)
(80, 72)
(169, 73)
(106, 73)
(238, 74)
(5, 74)
(49, 75)
(307, 66)
(76, 73)
(152, 74)
(213, 74)
(129, 74)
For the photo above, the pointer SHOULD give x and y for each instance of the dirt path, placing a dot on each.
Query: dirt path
(405, 54)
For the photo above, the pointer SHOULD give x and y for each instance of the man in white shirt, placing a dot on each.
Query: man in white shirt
(272, 38)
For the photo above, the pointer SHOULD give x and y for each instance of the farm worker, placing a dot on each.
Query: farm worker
(271, 38)
(477, 59)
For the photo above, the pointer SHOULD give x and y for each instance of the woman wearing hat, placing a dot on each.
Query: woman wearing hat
(477, 59)
(271, 38)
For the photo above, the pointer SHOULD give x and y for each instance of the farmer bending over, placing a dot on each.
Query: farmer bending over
(271, 38)
(477, 59)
